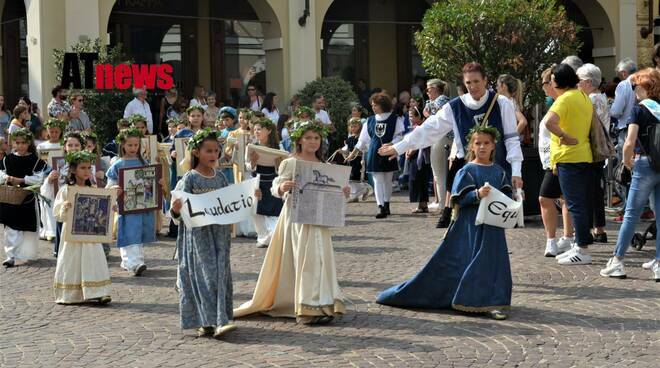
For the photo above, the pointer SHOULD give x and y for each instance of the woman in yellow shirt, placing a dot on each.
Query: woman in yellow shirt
(569, 121)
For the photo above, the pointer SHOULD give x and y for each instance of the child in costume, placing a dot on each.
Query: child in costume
(204, 271)
(298, 278)
(21, 168)
(54, 127)
(470, 270)
(82, 272)
(136, 229)
(269, 208)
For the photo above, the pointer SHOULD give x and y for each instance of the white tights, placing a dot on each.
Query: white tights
(382, 186)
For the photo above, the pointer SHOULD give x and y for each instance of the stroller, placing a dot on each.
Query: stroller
(640, 239)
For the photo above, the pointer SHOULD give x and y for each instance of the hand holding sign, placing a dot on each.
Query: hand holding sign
(496, 209)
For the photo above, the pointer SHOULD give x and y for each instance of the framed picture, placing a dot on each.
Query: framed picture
(140, 189)
(90, 218)
(182, 155)
(150, 149)
(48, 154)
(58, 164)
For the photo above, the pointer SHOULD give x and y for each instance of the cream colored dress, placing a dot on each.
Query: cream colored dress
(82, 271)
(298, 277)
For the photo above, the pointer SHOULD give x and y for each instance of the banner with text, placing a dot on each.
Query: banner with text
(229, 205)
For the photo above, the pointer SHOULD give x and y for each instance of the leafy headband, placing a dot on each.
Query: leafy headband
(24, 133)
(196, 141)
(195, 107)
(125, 133)
(135, 118)
(300, 127)
(485, 129)
(56, 123)
(265, 123)
(79, 156)
(173, 121)
(305, 110)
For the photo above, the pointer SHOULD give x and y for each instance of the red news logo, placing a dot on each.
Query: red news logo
(122, 76)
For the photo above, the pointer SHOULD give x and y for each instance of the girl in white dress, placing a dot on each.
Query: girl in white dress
(82, 272)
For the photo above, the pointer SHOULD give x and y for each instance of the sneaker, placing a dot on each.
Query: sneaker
(656, 271)
(600, 238)
(551, 248)
(618, 219)
(614, 269)
(139, 269)
(434, 206)
(564, 245)
(647, 216)
(576, 256)
(648, 265)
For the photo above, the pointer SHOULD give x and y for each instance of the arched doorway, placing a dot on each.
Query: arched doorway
(14, 52)
(354, 32)
(585, 34)
(216, 43)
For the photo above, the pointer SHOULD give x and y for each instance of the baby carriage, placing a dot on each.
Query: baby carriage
(640, 239)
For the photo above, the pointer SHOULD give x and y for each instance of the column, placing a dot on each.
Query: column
(628, 31)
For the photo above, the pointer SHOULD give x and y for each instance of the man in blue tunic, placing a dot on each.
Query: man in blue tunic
(460, 115)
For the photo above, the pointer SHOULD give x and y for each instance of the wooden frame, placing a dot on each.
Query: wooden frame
(47, 154)
(149, 145)
(57, 163)
(141, 190)
(182, 153)
(90, 218)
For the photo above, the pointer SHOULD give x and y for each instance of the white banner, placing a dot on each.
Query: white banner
(496, 209)
(229, 205)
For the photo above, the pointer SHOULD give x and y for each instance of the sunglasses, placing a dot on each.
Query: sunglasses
(251, 89)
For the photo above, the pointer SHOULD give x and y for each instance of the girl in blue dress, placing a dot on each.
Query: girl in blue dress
(470, 270)
(136, 229)
(204, 272)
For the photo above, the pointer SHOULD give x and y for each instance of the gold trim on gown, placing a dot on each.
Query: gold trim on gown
(298, 277)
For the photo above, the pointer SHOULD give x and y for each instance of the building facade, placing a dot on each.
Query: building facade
(279, 45)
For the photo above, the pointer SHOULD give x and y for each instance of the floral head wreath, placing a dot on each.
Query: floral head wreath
(265, 123)
(174, 121)
(123, 123)
(90, 135)
(355, 121)
(79, 156)
(305, 110)
(24, 133)
(300, 127)
(125, 133)
(134, 118)
(195, 107)
(485, 129)
(247, 113)
(199, 137)
(56, 123)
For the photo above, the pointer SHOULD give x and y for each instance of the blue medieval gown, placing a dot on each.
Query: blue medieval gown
(204, 271)
(470, 270)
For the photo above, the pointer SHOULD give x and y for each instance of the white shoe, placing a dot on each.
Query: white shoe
(656, 271)
(551, 248)
(648, 265)
(434, 206)
(576, 256)
(564, 244)
(566, 253)
(614, 269)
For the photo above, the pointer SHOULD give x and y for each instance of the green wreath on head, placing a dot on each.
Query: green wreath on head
(56, 123)
(355, 121)
(305, 110)
(485, 129)
(195, 107)
(265, 123)
(90, 135)
(123, 123)
(134, 118)
(300, 127)
(79, 156)
(175, 121)
(24, 133)
(125, 133)
(196, 141)
(248, 114)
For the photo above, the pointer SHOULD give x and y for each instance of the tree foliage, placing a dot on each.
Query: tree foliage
(103, 107)
(338, 95)
(517, 37)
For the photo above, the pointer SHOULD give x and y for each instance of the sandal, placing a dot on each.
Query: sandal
(205, 331)
(497, 315)
(222, 330)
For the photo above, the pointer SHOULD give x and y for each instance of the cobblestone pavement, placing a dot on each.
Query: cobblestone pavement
(562, 315)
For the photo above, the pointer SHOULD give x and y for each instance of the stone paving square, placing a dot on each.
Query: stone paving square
(562, 316)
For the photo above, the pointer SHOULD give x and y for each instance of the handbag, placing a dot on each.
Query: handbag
(601, 147)
(622, 175)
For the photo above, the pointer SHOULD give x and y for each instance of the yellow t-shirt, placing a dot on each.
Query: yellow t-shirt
(575, 110)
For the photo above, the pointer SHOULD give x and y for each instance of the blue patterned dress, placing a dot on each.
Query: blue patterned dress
(470, 270)
(204, 269)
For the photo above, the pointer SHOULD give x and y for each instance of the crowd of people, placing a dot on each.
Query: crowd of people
(454, 149)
